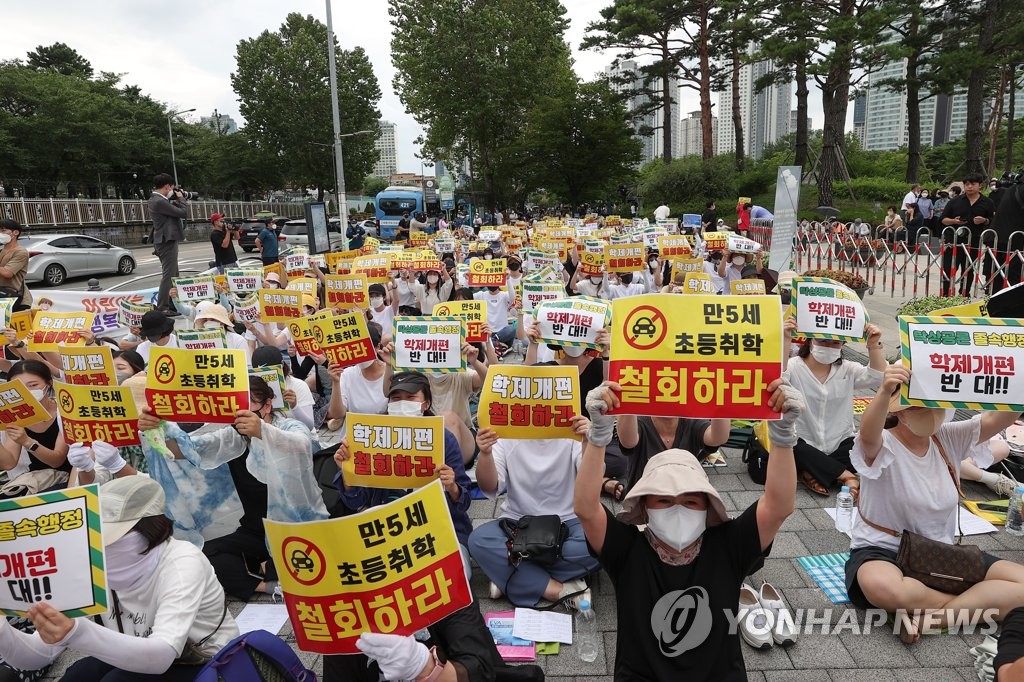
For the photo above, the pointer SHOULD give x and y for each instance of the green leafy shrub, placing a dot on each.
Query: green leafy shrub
(927, 304)
(848, 279)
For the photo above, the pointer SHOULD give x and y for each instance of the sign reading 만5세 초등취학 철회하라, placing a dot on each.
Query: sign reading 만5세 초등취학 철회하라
(89, 413)
(697, 356)
(197, 386)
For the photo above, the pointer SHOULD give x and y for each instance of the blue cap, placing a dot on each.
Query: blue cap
(845, 489)
(584, 604)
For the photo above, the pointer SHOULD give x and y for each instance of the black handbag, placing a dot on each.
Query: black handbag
(534, 538)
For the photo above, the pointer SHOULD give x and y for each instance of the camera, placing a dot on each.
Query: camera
(1011, 178)
(187, 196)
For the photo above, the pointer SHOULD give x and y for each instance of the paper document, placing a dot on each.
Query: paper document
(970, 524)
(542, 626)
(269, 617)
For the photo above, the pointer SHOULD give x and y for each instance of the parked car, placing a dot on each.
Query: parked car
(55, 257)
(370, 226)
(294, 233)
(249, 229)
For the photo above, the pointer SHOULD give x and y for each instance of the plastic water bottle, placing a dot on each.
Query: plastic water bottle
(1014, 521)
(586, 632)
(844, 510)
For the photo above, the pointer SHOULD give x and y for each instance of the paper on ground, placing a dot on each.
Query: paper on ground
(269, 617)
(970, 524)
(543, 626)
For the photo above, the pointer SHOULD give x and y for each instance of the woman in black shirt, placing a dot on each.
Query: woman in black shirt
(42, 443)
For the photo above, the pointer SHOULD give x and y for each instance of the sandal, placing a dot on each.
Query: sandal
(614, 491)
(812, 484)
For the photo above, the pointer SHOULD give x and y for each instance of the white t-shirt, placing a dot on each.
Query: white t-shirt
(540, 476)
(408, 292)
(586, 287)
(361, 395)
(385, 318)
(634, 288)
(903, 491)
(717, 283)
(144, 347)
(827, 419)
(237, 342)
(911, 198)
(662, 212)
(269, 329)
(497, 308)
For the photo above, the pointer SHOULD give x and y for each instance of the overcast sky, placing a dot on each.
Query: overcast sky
(182, 53)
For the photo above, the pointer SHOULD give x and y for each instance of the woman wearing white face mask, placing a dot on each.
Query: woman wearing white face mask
(909, 461)
(826, 427)
(681, 575)
(358, 388)
(36, 454)
(168, 613)
(216, 317)
(730, 268)
(437, 290)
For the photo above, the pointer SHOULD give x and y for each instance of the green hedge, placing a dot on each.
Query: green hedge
(886, 191)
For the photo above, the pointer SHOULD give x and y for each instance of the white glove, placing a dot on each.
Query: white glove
(79, 457)
(399, 658)
(781, 431)
(601, 424)
(108, 456)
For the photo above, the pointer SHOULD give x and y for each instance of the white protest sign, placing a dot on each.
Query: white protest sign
(244, 281)
(534, 293)
(195, 289)
(201, 339)
(825, 309)
(429, 344)
(572, 321)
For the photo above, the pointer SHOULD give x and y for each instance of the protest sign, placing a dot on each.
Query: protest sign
(698, 283)
(347, 291)
(102, 306)
(964, 362)
(426, 265)
(825, 309)
(333, 258)
(317, 261)
(738, 244)
(244, 281)
(6, 306)
(553, 246)
(535, 259)
(624, 257)
(716, 241)
(683, 266)
(747, 287)
(274, 376)
(370, 245)
(279, 306)
(591, 264)
(674, 246)
(487, 273)
(195, 289)
(296, 263)
(473, 313)
(274, 267)
(392, 569)
(651, 234)
(201, 339)
(418, 238)
(130, 314)
(305, 285)
(536, 292)
(88, 365)
(51, 550)
(376, 267)
(247, 308)
(51, 331)
(89, 413)
(301, 330)
(530, 402)
(595, 246)
(572, 321)
(197, 386)
(344, 339)
(691, 222)
(696, 356)
(18, 407)
(393, 452)
(429, 344)
(490, 235)
(21, 323)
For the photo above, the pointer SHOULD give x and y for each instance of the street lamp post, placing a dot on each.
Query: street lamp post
(336, 119)
(170, 135)
(339, 179)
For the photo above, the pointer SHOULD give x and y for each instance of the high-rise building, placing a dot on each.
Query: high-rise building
(764, 115)
(691, 135)
(792, 123)
(860, 108)
(625, 76)
(387, 162)
(222, 124)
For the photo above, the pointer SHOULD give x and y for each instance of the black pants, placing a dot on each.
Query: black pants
(235, 557)
(825, 468)
(270, 260)
(167, 253)
(94, 670)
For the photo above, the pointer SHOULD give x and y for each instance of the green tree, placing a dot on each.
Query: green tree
(281, 80)
(373, 185)
(60, 58)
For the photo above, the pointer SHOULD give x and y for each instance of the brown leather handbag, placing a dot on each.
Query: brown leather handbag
(950, 569)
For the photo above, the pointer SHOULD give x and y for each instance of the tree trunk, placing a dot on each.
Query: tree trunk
(913, 102)
(975, 132)
(995, 123)
(801, 112)
(707, 150)
(737, 115)
(835, 96)
(1012, 111)
(667, 98)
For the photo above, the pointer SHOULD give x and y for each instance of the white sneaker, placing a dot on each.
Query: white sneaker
(1003, 486)
(571, 586)
(493, 592)
(755, 622)
(784, 631)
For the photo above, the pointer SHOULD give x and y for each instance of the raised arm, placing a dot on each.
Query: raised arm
(779, 498)
(587, 494)
(872, 422)
(876, 353)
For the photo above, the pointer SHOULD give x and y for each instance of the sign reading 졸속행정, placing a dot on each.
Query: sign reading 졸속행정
(51, 550)
(51, 331)
(393, 452)
(748, 287)
(242, 281)
(18, 407)
(621, 258)
(964, 362)
(88, 365)
(344, 339)
(195, 289)
(274, 376)
(89, 413)
(429, 344)
(572, 321)
(474, 313)
(825, 309)
(392, 569)
(534, 293)
(347, 291)
(529, 402)
(699, 356)
(197, 386)
(487, 273)
(201, 339)
(279, 306)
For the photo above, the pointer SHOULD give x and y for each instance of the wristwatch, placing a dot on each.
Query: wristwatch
(436, 672)
(20, 344)
(34, 446)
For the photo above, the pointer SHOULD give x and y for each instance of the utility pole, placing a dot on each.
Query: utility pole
(339, 166)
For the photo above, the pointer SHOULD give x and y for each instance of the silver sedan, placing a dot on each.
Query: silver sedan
(55, 257)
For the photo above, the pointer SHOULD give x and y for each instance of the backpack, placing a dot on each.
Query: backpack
(256, 656)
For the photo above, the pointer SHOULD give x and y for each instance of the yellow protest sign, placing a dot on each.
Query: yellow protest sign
(334, 257)
(18, 407)
(473, 312)
(698, 283)
(6, 306)
(392, 569)
(418, 239)
(700, 356)
(274, 267)
(344, 339)
(682, 266)
(306, 285)
(591, 264)
(301, 330)
(279, 306)
(715, 241)
(624, 257)
(197, 386)
(487, 273)
(21, 323)
(748, 287)
(530, 402)
(674, 246)
(393, 452)
(52, 551)
(51, 331)
(552, 246)
(88, 365)
(347, 291)
(376, 267)
(370, 245)
(89, 413)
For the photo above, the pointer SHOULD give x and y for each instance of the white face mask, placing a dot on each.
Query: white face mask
(677, 526)
(488, 257)
(122, 376)
(738, 260)
(926, 422)
(432, 279)
(366, 364)
(376, 301)
(5, 238)
(574, 351)
(405, 408)
(824, 354)
(212, 324)
(595, 280)
(126, 565)
(38, 393)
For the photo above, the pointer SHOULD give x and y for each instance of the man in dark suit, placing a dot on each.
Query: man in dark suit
(167, 209)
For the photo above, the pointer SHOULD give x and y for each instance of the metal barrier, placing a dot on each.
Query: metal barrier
(76, 212)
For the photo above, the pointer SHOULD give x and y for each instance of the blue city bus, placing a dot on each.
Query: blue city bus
(392, 203)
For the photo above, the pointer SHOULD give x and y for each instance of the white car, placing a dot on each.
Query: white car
(294, 233)
(55, 257)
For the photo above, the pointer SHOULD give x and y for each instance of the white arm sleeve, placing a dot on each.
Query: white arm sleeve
(24, 651)
(127, 652)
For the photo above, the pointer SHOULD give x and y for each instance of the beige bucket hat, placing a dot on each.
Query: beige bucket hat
(673, 472)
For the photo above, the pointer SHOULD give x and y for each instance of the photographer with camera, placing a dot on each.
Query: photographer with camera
(221, 237)
(1009, 202)
(167, 208)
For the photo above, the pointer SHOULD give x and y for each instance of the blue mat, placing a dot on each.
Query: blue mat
(829, 571)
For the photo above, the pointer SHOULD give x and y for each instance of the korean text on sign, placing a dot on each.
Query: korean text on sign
(748, 287)
(88, 365)
(201, 339)
(473, 313)
(52, 330)
(18, 407)
(51, 550)
(591, 264)
(375, 268)
(301, 330)
(130, 314)
(429, 344)
(624, 257)
(347, 291)
(964, 362)
(696, 356)
(825, 309)
(393, 452)
(529, 402)
(244, 281)
(534, 293)
(673, 246)
(89, 413)
(393, 569)
(279, 306)
(487, 273)
(572, 321)
(247, 308)
(344, 339)
(194, 289)
(197, 386)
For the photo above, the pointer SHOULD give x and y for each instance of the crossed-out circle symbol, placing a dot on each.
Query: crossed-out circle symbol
(443, 311)
(645, 322)
(66, 401)
(165, 370)
(318, 334)
(303, 560)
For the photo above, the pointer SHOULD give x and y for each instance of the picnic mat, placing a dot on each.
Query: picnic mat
(829, 571)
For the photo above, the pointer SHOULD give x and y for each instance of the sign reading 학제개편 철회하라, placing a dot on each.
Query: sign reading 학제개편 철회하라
(530, 402)
(393, 452)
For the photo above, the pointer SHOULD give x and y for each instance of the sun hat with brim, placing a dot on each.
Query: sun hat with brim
(214, 312)
(894, 403)
(785, 280)
(673, 472)
(124, 501)
(155, 324)
(310, 302)
(410, 382)
(272, 277)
